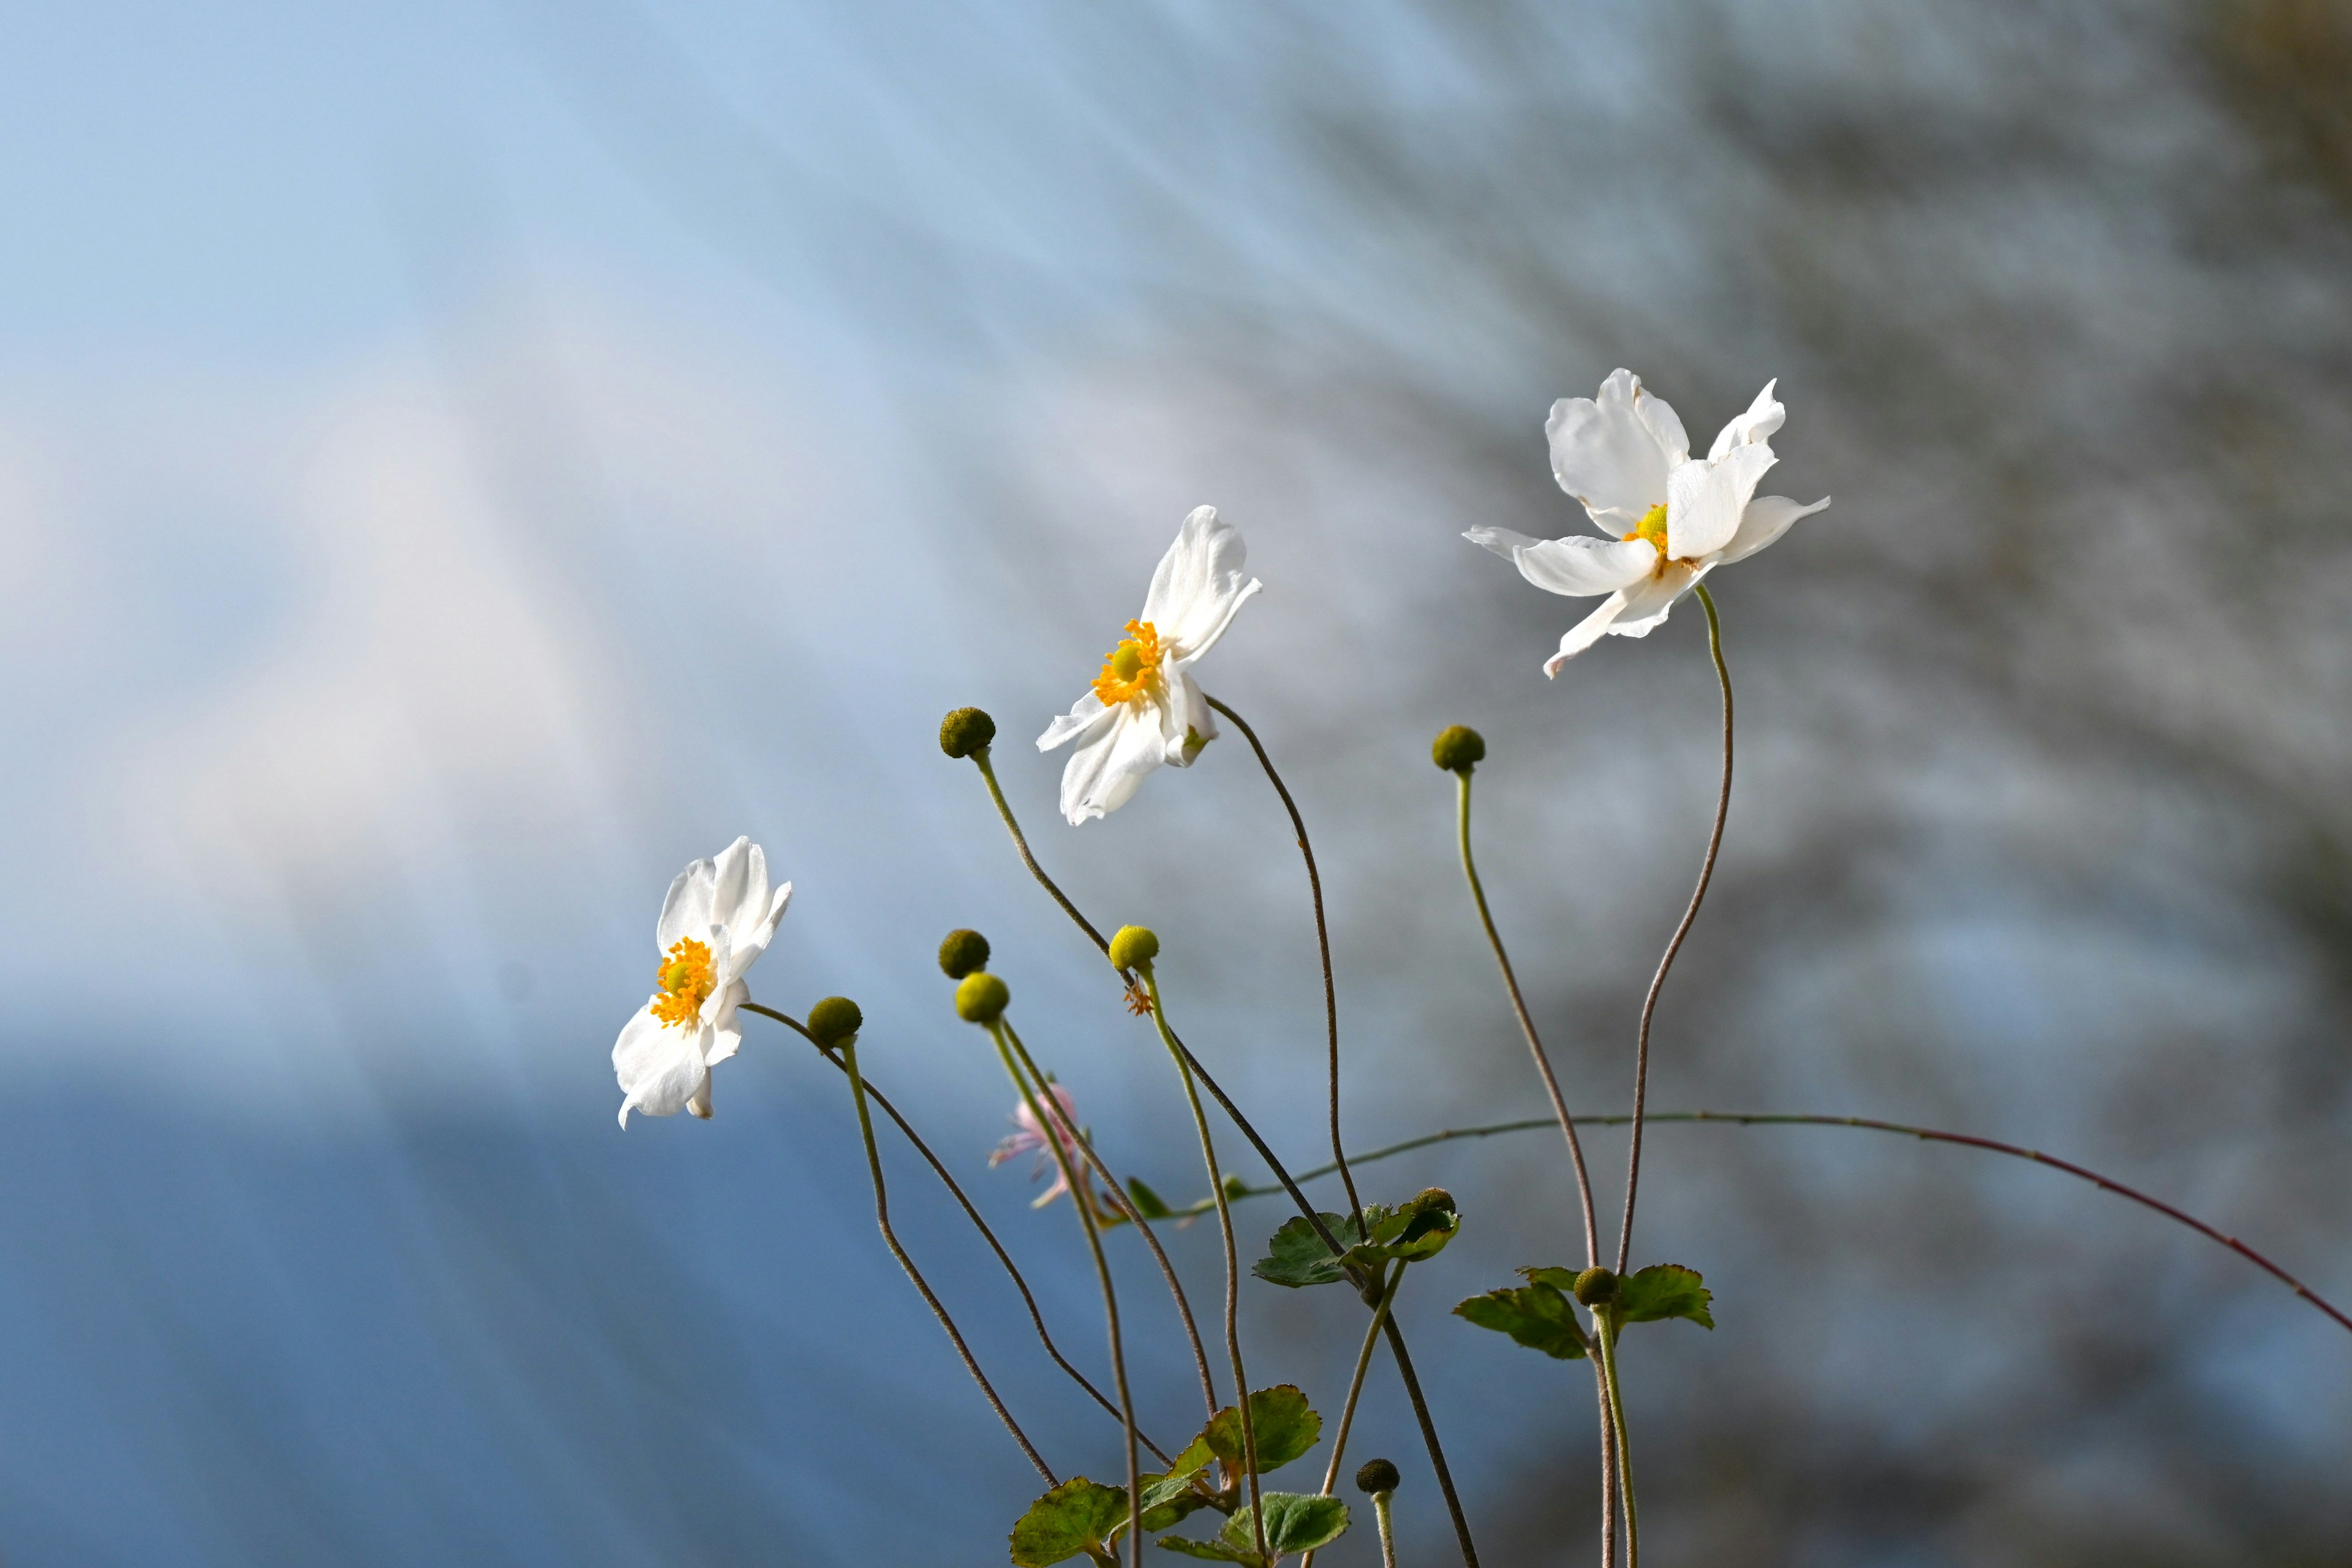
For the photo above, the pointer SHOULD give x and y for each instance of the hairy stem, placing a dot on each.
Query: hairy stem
(1109, 1294)
(1323, 946)
(1020, 1283)
(1356, 1388)
(890, 1239)
(1604, 1337)
(1460, 1520)
(1658, 981)
(1568, 1131)
(1233, 1258)
(1388, 1529)
(1118, 1199)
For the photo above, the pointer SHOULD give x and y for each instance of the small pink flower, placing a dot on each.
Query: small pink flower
(1028, 1137)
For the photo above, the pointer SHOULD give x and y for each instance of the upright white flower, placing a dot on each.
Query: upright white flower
(1669, 519)
(1143, 709)
(717, 922)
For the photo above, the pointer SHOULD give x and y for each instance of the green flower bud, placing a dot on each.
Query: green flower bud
(1133, 947)
(834, 1020)
(966, 731)
(1596, 1287)
(1377, 1475)
(981, 998)
(1433, 1198)
(1458, 749)
(962, 952)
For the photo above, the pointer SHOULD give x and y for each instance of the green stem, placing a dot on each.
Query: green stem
(1233, 1258)
(996, 1031)
(1604, 1340)
(1356, 1388)
(1699, 895)
(890, 1239)
(1388, 1529)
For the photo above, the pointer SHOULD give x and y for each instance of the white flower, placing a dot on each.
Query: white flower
(1027, 1136)
(1670, 520)
(717, 922)
(1143, 710)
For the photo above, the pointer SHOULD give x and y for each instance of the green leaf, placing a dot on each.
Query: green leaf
(1294, 1522)
(1216, 1550)
(1169, 1496)
(1560, 1279)
(1537, 1315)
(1148, 1204)
(1664, 1290)
(1412, 1231)
(1285, 1428)
(1073, 1519)
(1296, 1256)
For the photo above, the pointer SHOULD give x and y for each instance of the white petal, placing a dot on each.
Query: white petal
(722, 1032)
(1502, 541)
(1088, 717)
(1579, 566)
(1646, 603)
(1186, 714)
(1763, 418)
(1104, 772)
(731, 880)
(1613, 452)
(1198, 585)
(686, 910)
(1705, 501)
(1766, 520)
(1586, 632)
(658, 1066)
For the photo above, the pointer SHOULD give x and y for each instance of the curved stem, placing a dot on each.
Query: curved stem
(1460, 1520)
(1323, 946)
(1110, 1293)
(1604, 1340)
(1699, 895)
(1233, 1258)
(1085, 1145)
(890, 1239)
(1575, 1150)
(1020, 1283)
(1356, 1387)
(1869, 1124)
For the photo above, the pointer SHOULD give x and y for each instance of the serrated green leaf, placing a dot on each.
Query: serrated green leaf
(1537, 1315)
(1412, 1232)
(1294, 1522)
(1215, 1551)
(1073, 1519)
(1169, 1496)
(1285, 1426)
(1560, 1279)
(1664, 1290)
(1296, 1256)
(1148, 1204)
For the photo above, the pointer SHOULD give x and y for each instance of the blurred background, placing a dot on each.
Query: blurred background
(458, 464)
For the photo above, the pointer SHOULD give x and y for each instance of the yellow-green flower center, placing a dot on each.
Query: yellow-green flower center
(1653, 526)
(1132, 669)
(687, 980)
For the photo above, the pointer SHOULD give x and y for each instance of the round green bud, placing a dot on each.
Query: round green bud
(962, 952)
(981, 998)
(1596, 1287)
(1433, 1198)
(1377, 1475)
(834, 1020)
(1133, 947)
(966, 731)
(1458, 749)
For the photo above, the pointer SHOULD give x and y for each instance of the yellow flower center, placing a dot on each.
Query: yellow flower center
(687, 981)
(1653, 526)
(1131, 670)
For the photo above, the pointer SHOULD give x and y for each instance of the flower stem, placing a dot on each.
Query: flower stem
(1567, 1130)
(1028, 1298)
(1109, 1294)
(1461, 1520)
(1356, 1387)
(1604, 1337)
(1085, 1145)
(1323, 946)
(890, 1239)
(1658, 981)
(1388, 1529)
(1233, 1258)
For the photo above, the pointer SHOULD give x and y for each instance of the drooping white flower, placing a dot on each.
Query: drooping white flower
(1028, 1136)
(1143, 710)
(717, 919)
(1669, 519)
